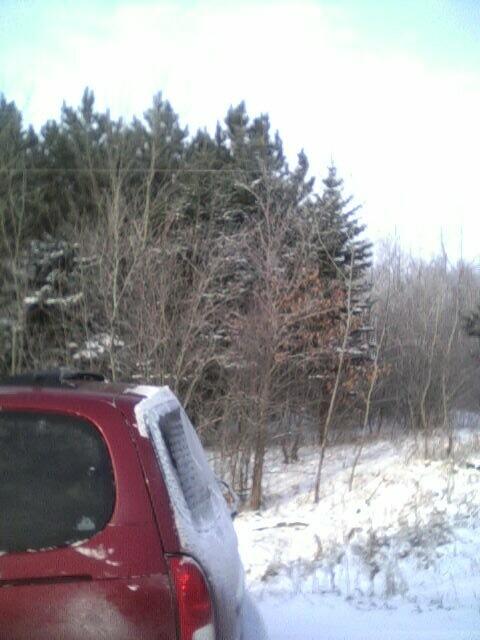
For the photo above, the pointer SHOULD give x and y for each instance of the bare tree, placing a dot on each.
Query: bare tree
(427, 361)
(340, 370)
(368, 400)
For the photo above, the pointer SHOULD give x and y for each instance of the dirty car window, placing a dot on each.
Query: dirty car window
(56, 481)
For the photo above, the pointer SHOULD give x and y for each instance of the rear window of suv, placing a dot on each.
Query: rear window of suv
(56, 481)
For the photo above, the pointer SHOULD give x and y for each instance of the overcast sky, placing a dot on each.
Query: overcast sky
(390, 89)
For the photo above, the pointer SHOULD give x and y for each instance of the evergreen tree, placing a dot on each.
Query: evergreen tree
(76, 161)
(19, 185)
(338, 232)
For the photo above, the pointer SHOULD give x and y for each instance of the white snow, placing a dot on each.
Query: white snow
(397, 557)
(205, 633)
(145, 390)
(157, 402)
(330, 617)
(97, 346)
(96, 553)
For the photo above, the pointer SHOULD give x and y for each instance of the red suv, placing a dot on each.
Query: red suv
(112, 524)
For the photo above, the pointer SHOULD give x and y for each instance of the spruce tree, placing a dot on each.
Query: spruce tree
(338, 231)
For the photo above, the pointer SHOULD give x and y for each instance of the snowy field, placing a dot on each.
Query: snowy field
(398, 557)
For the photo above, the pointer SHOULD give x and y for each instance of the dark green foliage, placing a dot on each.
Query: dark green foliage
(338, 231)
(19, 185)
(211, 193)
(215, 182)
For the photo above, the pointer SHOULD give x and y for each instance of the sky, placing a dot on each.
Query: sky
(389, 90)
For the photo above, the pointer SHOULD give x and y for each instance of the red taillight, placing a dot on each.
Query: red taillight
(195, 611)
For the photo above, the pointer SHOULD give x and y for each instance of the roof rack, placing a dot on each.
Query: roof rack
(59, 377)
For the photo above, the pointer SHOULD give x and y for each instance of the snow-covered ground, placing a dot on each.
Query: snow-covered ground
(323, 617)
(397, 557)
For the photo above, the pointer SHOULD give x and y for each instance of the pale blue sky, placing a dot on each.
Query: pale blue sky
(389, 89)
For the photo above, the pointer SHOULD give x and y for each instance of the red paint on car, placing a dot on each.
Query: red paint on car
(133, 577)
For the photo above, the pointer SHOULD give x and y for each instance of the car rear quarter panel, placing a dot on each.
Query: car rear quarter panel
(114, 585)
(213, 546)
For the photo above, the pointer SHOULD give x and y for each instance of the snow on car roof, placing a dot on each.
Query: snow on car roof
(162, 398)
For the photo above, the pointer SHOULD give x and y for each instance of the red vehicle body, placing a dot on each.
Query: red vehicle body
(134, 578)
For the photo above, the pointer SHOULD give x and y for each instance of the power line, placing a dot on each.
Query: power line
(124, 171)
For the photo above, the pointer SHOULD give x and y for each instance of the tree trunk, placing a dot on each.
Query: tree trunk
(259, 453)
(259, 456)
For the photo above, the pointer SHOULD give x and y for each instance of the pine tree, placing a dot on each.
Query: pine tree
(75, 160)
(18, 185)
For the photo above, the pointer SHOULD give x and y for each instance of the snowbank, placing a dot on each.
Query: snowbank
(405, 539)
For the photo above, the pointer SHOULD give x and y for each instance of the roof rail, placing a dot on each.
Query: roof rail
(61, 376)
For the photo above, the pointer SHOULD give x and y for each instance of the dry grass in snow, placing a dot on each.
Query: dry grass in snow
(408, 532)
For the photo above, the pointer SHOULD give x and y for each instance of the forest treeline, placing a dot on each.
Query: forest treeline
(207, 263)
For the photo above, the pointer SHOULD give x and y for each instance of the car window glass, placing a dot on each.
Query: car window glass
(190, 481)
(56, 481)
(179, 435)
